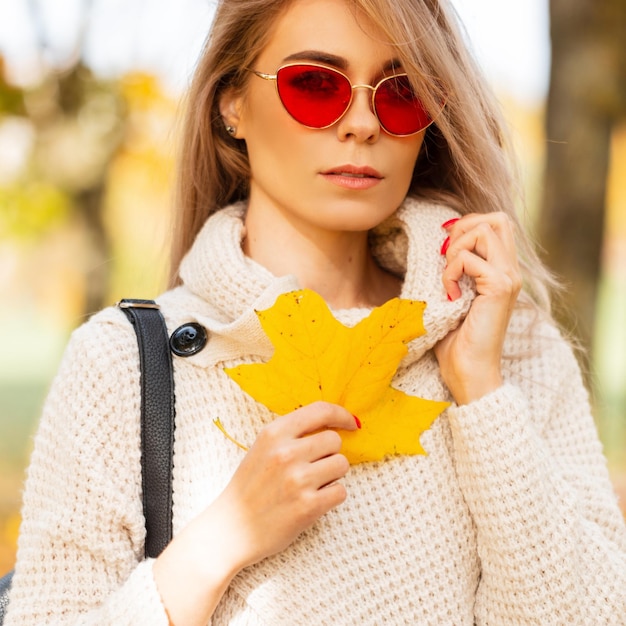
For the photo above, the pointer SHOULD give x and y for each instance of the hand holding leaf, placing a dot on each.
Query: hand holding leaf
(318, 358)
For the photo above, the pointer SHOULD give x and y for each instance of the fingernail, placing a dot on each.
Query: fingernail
(445, 245)
(451, 222)
(449, 298)
(358, 421)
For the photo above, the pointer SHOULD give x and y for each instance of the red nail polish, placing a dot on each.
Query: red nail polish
(358, 421)
(451, 222)
(449, 298)
(445, 245)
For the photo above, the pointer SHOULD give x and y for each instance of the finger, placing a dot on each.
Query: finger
(299, 476)
(319, 445)
(330, 469)
(500, 223)
(483, 241)
(490, 279)
(330, 496)
(317, 416)
(322, 501)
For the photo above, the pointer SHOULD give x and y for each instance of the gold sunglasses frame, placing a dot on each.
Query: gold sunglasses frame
(373, 88)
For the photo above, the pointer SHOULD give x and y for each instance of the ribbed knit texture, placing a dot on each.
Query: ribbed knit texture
(509, 519)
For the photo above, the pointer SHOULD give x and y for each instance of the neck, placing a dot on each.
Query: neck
(338, 265)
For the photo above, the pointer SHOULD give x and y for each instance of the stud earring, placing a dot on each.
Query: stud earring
(231, 130)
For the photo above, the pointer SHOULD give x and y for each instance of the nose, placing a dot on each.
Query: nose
(359, 121)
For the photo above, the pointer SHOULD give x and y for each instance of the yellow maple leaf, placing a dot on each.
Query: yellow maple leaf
(318, 358)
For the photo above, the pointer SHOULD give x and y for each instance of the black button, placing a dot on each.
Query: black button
(188, 339)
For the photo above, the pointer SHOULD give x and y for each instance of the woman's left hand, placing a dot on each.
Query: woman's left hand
(483, 247)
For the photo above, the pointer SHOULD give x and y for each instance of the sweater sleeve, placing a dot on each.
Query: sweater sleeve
(551, 537)
(80, 550)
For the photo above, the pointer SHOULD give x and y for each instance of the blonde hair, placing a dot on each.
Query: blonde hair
(465, 161)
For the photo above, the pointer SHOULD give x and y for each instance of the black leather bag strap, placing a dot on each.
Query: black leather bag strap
(157, 420)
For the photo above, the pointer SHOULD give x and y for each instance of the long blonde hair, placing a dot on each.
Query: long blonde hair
(465, 161)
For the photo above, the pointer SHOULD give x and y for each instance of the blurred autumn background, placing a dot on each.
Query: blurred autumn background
(86, 161)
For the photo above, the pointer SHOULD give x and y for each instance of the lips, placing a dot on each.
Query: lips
(353, 171)
(353, 178)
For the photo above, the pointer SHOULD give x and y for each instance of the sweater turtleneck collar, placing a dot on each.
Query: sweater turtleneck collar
(231, 286)
(217, 270)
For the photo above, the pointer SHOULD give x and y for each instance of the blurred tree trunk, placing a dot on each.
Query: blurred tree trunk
(585, 99)
(90, 203)
(80, 124)
(78, 92)
(86, 116)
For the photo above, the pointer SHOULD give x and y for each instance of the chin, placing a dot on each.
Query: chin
(358, 219)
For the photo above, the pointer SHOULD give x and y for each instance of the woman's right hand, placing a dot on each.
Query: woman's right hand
(286, 481)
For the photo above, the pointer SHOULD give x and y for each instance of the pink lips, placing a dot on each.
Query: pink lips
(353, 177)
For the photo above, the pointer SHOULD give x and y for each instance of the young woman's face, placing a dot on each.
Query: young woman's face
(350, 176)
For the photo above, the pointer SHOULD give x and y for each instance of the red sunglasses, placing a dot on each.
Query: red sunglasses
(318, 96)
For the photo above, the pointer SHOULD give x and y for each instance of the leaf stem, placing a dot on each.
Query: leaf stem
(229, 437)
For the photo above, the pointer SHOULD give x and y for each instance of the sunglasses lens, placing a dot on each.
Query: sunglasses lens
(398, 108)
(313, 96)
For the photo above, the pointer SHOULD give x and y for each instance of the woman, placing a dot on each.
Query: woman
(400, 187)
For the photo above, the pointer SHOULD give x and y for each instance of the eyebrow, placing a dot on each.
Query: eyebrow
(332, 59)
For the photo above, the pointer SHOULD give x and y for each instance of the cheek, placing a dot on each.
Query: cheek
(260, 121)
(272, 144)
(277, 161)
(406, 157)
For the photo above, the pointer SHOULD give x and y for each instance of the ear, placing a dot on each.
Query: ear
(231, 106)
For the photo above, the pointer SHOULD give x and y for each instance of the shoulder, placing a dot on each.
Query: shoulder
(106, 324)
(532, 333)
(98, 375)
(540, 360)
(108, 335)
(101, 349)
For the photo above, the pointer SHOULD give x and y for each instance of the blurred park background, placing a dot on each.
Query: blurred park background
(90, 96)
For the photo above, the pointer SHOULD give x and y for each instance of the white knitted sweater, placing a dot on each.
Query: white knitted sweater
(509, 519)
